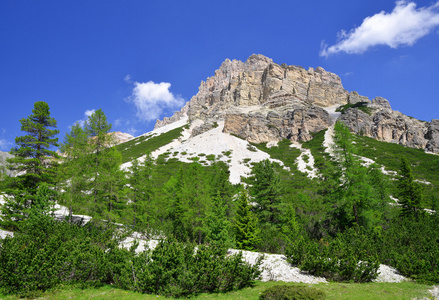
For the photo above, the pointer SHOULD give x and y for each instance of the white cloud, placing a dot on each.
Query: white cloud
(87, 114)
(128, 78)
(152, 98)
(403, 26)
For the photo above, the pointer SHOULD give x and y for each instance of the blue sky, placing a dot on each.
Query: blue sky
(138, 60)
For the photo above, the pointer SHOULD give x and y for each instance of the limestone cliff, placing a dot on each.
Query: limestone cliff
(262, 101)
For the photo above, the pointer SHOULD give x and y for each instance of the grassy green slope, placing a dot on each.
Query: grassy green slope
(424, 166)
(140, 146)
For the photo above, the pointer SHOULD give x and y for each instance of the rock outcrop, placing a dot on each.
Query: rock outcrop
(3, 163)
(262, 101)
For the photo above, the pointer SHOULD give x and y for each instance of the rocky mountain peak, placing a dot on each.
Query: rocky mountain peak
(262, 101)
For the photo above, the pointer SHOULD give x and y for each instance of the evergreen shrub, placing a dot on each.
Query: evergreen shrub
(176, 269)
(344, 258)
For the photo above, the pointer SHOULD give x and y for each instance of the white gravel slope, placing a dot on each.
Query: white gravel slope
(276, 268)
(215, 142)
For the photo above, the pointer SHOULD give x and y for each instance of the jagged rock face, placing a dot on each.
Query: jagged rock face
(3, 163)
(295, 124)
(262, 101)
(387, 125)
(433, 136)
(260, 82)
(287, 97)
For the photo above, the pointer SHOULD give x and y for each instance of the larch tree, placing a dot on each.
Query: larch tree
(93, 178)
(141, 192)
(75, 150)
(355, 192)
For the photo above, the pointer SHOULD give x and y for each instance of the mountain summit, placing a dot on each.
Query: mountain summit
(262, 101)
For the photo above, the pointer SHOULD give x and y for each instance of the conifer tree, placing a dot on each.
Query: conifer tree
(265, 190)
(410, 192)
(356, 192)
(141, 191)
(32, 155)
(35, 163)
(246, 225)
(218, 228)
(93, 175)
(75, 151)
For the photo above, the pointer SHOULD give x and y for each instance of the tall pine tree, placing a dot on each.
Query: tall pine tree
(34, 161)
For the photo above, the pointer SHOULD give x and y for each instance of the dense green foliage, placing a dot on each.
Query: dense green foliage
(246, 224)
(409, 191)
(350, 256)
(288, 292)
(93, 178)
(173, 269)
(48, 252)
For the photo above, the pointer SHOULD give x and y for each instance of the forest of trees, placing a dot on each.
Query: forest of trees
(341, 228)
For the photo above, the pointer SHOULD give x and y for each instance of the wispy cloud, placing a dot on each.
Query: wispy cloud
(132, 131)
(5, 145)
(403, 26)
(87, 114)
(128, 78)
(151, 99)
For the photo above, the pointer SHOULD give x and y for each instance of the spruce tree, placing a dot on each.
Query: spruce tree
(218, 228)
(246, 225)
(410, 192)
(265, 191)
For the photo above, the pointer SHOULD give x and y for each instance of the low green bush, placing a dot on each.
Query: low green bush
(176, 269)
(288, 292)
(344, 258)
(47, 252)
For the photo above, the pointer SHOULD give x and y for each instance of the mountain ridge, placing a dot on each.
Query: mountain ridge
(262, 101)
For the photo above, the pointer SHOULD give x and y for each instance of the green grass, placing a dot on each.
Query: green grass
(405, 290)
(140, 146)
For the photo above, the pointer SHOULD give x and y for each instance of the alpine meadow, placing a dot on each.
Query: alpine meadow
(272, 182)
